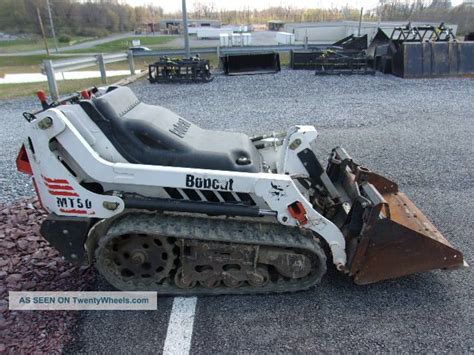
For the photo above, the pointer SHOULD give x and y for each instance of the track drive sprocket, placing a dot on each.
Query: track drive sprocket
(135, 261)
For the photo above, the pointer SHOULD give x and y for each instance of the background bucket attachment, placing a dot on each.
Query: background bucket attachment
(304, 59)
(387, 235)
(258, 63)
(433, 59)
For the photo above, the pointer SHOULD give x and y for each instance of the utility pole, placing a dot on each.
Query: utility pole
(42, 30)
(153, 21)
(186, 35)
(360, 21)
(52, 26)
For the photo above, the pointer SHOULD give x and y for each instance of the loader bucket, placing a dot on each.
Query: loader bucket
(392, 237)
(402, 243)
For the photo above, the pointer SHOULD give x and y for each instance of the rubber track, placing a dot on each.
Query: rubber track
(220, 230)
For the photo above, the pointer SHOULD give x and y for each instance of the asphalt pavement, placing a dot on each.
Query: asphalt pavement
(258, 38)
(82, 45)
(417, 132)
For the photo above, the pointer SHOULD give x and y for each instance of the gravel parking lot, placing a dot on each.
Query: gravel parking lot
(418, 132)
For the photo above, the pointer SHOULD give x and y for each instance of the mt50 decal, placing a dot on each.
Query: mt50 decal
(67, 199)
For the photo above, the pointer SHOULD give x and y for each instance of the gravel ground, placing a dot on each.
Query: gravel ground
(418, 132)
(29, 263)
(13, 185)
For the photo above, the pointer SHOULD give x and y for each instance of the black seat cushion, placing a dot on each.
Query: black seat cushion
(154, 135)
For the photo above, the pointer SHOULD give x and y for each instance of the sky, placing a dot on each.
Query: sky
(175, 5)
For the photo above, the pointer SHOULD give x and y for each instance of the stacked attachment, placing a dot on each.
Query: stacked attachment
(346, 56)
(331, 62)
(409, 33)
(421, 52)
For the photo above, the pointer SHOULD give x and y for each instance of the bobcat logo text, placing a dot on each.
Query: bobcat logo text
(208, 183)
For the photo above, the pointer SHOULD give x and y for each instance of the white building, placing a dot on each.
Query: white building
(330, 32)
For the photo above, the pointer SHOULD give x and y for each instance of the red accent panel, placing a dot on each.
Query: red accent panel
(59, 187)
(56, 181)
(62, 193)
(63, 210)
(22, 162)
(298, 212)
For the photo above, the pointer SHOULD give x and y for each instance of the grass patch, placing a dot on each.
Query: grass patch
(213, 61)
(285, 59)
(23, 60)
(25, 63)
(21, 45)
(120, 45)
(140, 63)
(9, 91)
(32, 64)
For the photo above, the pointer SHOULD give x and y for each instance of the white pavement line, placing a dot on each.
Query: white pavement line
(180, 327)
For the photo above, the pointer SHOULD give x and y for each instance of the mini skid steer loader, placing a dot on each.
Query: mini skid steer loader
(161, 204)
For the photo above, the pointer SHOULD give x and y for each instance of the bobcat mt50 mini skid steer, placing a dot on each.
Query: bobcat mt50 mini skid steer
(160, 204)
